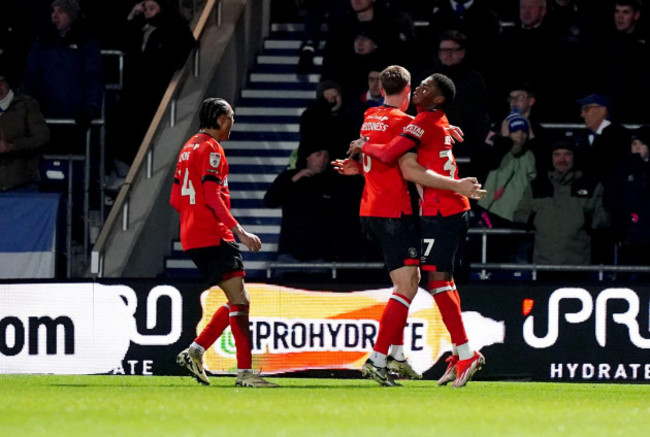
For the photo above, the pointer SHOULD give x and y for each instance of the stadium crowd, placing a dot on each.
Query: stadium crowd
(520, 68)
(535, 79)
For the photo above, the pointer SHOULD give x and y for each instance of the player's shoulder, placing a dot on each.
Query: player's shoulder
(370, 111)
(400, 115)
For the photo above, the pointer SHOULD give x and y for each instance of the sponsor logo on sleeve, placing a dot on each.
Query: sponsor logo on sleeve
(215, 159)
(414, 130)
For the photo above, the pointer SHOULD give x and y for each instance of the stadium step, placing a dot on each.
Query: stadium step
(265, 133)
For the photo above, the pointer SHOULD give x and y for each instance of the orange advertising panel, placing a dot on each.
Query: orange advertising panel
(294, 329)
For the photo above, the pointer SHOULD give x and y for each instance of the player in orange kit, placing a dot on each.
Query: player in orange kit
(200, 194)
(443, 213)
(386, 217)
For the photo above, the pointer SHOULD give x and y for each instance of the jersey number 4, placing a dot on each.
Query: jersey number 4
(188, 188)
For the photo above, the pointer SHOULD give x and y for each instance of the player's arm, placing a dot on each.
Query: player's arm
(347, 167)
(175, 198)
(412, 171)
(212, 189)
(389, 153)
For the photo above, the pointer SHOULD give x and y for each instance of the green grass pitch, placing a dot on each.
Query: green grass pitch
(80, 406)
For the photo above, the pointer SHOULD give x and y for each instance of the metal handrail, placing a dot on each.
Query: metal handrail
(99, 122)
(144, 156)
(333, 266)
(601, 269)
(120, 65)
(534, 268)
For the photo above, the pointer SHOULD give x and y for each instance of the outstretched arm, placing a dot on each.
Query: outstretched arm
(414, 172)
(386, 153)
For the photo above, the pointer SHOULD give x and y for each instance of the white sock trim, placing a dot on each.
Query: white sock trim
(440, 289)
(397, 352)
(465, 352)
(401, 300)
(378, 359)
(197, 347)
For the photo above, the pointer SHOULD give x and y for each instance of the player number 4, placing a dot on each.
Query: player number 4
(188, 188)
(429, 242)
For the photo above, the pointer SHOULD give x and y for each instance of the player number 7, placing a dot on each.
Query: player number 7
(188, 188)
(429, 242)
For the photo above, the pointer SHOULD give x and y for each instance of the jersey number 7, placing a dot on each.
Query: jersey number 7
(429, 242)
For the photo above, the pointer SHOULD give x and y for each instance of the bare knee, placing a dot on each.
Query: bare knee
(235, 291)
(406, 281)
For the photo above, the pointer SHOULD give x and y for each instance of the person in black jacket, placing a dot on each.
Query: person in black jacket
(64, 74)
(627, 197)
(469, 110)
(157, 42)
(307, 195)
(603, 144)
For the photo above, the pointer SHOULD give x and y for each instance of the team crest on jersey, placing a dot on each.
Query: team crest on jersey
(215, 159)
(416, 131)
(413, 253)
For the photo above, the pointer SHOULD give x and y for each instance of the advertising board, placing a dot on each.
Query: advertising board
(533, 331)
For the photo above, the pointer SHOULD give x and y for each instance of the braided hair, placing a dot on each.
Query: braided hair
(210, 111)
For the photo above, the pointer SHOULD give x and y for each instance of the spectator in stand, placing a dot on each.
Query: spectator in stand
(317, 12)
(469, 109)
(308, 197)
(602, 145)
(157, 43)
(604, 142)
(64, 74)
(534, 54)
(373, 96)
(348, 53)
(477, 21)
(575, 34)
(627, 198)
(512, 165)
(625, 76)
(329, 123)
(569, 23)
(562, 205)
(23, 134)
(521, 100)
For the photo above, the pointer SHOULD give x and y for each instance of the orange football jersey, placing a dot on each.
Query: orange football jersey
(385, 193)
(201, 159)
(430, 129)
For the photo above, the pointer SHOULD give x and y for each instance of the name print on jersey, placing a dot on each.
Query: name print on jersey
(416, 131)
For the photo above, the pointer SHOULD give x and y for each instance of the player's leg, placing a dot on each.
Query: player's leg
(399, 244)
(207, 260)
(406, 281)
(215, 327)
(393, 319)
(206, 338)
(239, 303)
(441, 237)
